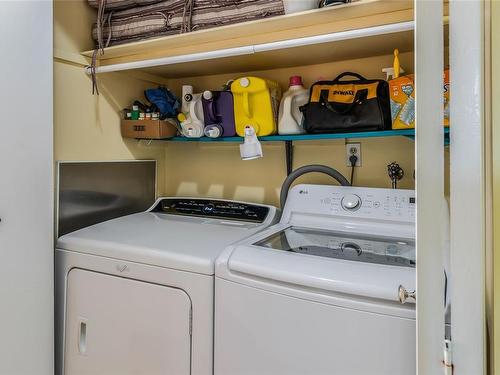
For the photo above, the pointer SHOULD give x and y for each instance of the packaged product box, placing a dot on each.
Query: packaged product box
(402, 94)
(148, 129)
(446, 97)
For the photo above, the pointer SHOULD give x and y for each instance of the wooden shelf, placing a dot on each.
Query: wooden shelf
(360, 29)
(410, 133)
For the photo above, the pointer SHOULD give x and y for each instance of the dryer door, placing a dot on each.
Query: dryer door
(118, 326)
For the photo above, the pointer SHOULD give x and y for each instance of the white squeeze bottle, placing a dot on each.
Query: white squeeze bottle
(290, 117)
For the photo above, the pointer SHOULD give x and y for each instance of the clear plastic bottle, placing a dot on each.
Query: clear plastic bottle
(290, 117)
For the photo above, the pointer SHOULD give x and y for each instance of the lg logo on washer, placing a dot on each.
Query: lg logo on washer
(209, 208)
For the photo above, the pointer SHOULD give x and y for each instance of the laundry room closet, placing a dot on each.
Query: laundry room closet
(356, 67)
(242, 187)
(87, 127)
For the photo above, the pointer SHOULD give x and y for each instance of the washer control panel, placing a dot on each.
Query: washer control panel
(213, 209)
(350, 201)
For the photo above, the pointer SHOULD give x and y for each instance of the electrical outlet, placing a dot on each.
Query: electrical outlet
(353, 149)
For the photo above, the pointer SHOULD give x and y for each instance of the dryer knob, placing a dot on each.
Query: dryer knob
(351, 202)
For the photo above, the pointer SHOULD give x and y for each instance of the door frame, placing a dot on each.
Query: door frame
(468, 188)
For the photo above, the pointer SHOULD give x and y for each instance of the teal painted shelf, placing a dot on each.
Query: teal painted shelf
(410, 133)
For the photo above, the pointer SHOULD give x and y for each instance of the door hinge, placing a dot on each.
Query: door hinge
(447, 358)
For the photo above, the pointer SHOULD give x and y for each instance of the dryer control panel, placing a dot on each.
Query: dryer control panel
(354, 202)
(210, 208)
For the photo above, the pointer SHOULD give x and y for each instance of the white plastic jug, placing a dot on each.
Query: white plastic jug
(290, 117)
(191, 119)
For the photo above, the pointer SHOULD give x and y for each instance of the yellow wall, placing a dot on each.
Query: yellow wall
(86, 127)
(218, 171)
(72, 21)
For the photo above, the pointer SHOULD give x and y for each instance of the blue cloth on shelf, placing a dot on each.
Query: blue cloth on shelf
(164, 99)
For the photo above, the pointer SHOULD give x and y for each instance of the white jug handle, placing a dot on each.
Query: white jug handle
(192, 110)
(287, 108)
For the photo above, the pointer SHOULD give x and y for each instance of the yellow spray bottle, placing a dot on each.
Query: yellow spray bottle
(396, 65)
(395, 70)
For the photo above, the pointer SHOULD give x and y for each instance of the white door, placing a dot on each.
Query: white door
(26, 195)
(429, 186)
(118, 326)
(467, 186)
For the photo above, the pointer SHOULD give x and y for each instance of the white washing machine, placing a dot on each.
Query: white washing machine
(319, 293)
(135, 294)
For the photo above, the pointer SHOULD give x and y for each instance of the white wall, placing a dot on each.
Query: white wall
(26, 195)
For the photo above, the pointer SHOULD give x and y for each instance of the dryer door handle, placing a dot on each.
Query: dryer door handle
(82, 336)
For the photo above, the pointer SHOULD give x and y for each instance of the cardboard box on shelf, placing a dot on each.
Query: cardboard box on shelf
(148, 129)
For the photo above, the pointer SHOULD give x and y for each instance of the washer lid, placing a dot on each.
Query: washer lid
(179, 242)
(318, 266)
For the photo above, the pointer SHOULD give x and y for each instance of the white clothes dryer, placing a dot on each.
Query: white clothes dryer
(134, 295)
(319, 293)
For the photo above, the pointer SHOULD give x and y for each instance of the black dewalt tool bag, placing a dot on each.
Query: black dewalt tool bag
(348, 106)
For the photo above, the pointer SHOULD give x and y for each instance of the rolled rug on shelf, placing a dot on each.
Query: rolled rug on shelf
(176, 16)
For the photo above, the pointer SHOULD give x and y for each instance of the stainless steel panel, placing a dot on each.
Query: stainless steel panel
(93, 192)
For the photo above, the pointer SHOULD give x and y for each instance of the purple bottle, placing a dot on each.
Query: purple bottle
(218, 111)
